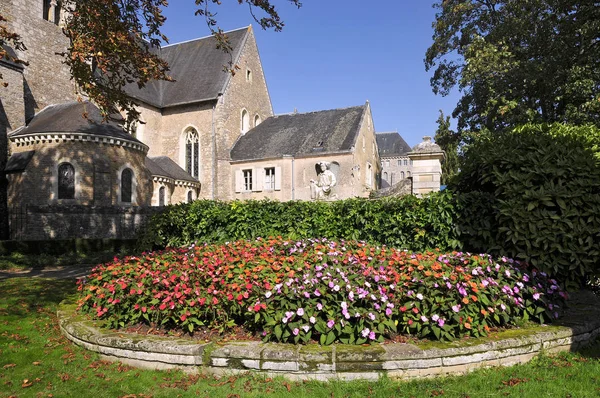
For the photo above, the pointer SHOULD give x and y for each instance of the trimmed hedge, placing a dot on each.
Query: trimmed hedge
(534, 194)
(408, 222)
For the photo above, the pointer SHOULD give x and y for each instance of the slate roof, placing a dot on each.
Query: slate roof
(18, 162)
(391, 144)
(301, 134)
(165, 167)
(68, 118)
(196, 66)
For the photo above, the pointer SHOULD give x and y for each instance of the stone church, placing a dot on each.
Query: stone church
(207, 135)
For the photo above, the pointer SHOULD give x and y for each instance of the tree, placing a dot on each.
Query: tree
(518, 61)
(448, 140)
(102, 65)
(9, 41)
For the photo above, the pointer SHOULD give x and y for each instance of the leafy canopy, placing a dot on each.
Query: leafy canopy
(518, 61)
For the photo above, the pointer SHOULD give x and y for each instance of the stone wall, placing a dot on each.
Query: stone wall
(31, 222)
(394, 167)
(97, 174)
(46, 80)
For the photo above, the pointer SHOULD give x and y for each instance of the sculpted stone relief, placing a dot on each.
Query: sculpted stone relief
(321, 188)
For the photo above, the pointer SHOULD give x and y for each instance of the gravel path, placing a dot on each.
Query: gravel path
(66, 272)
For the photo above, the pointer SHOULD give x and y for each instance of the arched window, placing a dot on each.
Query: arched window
(66, 181)
(257, 120)
(161, 196)
(190, 196)
(402, 175)
(192, 152)
(57, 8)
(46, 10)
(408, 174)
(392, 179)
(385, 176)
(126, 185)
(245, 121)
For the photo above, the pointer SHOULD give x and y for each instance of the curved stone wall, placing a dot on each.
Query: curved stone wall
(581, 326)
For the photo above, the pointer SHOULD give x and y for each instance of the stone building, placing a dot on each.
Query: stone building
(395, 163)
(427, 158)
(279, 158)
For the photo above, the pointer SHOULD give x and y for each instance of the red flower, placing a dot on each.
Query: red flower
(202, 301)
(415, 310)
(162, 306)
(215, 301)
(403, 309)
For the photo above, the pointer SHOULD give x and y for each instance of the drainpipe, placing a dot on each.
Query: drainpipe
(293, 175)
(214, 154)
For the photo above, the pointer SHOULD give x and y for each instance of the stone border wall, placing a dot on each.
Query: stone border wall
(325, 362)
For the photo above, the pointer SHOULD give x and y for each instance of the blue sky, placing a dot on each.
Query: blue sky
(339, 53)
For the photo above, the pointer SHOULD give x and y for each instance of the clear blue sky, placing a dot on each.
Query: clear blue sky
(339, 53)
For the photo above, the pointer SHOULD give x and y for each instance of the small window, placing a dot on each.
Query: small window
(399, 162)
(269, 178)
(408, 173)
(190, 197)
(257, 120)
(368, 176)
(66, 181)
(387, 163)
(161, 196)
(126, 185)
(385, 176)
(247, 180)
(411, 162)
(392, 179)
(402, 175)
(245, 121)
(405, 162)
(248, 75)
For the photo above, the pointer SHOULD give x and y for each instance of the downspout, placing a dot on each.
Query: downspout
(214, 153)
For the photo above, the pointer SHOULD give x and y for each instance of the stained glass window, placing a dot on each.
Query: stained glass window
(126, 185)
(66, 181)
(192, 153)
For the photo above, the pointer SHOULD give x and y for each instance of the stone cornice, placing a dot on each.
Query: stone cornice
(41, 138)
(176, 182)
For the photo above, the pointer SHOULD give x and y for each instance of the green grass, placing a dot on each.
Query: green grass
(18, 261)
(37, 361)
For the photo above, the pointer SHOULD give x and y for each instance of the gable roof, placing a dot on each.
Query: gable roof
(391, 144)
(68, 118)
(297, 134)
(197, 68)
(164, 166)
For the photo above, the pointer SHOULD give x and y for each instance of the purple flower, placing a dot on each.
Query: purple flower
(319, 306)
(351, 296)
(456, 308)
(388, 312)
(441, 322)
(284, 320)
(330, 323)
(424, 318)
(296, 331)
(317, 293)
(372, 334)
(371, 316)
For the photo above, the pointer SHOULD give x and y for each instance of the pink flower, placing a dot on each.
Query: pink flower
(424, 318)
(435, 317)
(300, 311)
(388, 312)
(371, 316)
(536, 296)
(312, 319)
(306, 328)
(441, 322)
(365, 332)
(456, 308)
(319, 306)
(372, 335)
(296, 331)
(330, 323)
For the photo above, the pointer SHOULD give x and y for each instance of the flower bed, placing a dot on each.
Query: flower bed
(322, 290)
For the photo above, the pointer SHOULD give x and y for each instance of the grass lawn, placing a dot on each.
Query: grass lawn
(37, 361)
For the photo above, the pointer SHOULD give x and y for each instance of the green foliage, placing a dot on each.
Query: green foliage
(534, 194)
(322, 290)
(448, 140)
(517, 61)
(408, 222)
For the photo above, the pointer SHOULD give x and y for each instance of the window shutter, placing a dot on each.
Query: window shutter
(258, 179)
(278, 178)
(239, 181)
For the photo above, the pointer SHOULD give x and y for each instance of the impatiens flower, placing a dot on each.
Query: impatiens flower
(456, 308)
(268, 294)
(300, 311)
(388, 312)
(441, 322)
(424, 318)
(330, 323)
(312, 319)
(296, 331)
(371, 316)
(344, 305)
(306, 328)
(336, 288)
(419, 296)
(319, 306)
(284, 319)
(365, 332)
(317, 293)
(372, 335)
(435, 317)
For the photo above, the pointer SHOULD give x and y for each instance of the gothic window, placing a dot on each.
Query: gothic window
(190, 197)
(385, 176)
(257, 120)
(248, 75)
(245, 121)
(66, 181)
(402, 175)
(126, 185)
(192, 152)
(408, 173)
(161, 196)
(247, 180)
